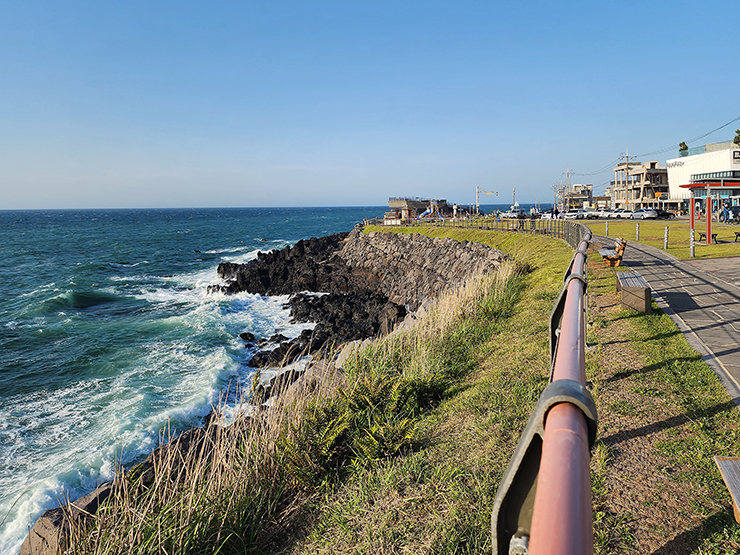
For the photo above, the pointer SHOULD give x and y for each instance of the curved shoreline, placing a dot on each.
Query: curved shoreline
(410, 268)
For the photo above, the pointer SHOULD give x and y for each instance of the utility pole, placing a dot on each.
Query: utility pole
(477, 203)
(626, 174)
(568, 173)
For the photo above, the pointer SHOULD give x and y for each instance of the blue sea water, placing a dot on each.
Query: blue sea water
(107, 335)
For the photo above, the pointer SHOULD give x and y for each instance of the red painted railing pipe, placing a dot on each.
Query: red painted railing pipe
(561, 519)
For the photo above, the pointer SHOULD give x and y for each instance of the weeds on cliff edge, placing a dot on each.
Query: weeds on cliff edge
(240, 488)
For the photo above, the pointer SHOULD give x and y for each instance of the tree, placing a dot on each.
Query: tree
(736, 140)
(682, 147)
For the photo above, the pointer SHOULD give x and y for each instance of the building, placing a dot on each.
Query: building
(713, 168)
(638, 185)
(409, 208)
(579, 196)
(602, 203)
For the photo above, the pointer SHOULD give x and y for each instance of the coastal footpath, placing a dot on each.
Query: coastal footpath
(353, 285)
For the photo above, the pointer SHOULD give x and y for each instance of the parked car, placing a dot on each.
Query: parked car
(664, 214)
(573, 214)
(615, 213)
(603, 213)
(644, 214)
(625, 214)
(514, 213)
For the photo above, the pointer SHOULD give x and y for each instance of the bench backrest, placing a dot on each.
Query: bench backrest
(619, 245)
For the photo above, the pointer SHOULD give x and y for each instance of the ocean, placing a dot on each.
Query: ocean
(107, 336)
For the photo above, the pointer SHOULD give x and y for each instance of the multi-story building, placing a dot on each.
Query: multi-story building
(602, 202)
(579, 196)
(638, 185)
(713, 168)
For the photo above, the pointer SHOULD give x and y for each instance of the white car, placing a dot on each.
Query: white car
(573, 214)
(578, 214)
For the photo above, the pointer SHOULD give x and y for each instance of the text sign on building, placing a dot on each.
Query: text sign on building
(736, 156)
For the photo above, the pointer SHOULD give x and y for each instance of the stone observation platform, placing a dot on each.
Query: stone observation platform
(702, 297)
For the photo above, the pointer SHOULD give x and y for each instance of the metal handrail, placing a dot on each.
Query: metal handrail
(561, 519)
(543, 505)
(572, 232)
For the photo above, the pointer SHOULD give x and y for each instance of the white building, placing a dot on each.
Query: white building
(714, 167)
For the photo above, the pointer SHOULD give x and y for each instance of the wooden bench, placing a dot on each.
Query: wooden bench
(729, 467)
(737, 234)
(635, 291)
(703, 236)
(613, 257)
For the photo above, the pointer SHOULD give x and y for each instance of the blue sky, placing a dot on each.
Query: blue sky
(340, 103)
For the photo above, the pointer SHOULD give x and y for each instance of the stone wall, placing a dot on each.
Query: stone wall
(413, 267)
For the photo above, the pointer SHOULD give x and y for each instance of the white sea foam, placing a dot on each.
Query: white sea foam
(83, 429)
(230, 250)
(63, 442)
(135, 278)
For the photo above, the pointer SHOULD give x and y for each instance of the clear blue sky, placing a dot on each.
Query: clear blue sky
(251, 103)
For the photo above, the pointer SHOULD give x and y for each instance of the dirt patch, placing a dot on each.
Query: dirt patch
(640, 495)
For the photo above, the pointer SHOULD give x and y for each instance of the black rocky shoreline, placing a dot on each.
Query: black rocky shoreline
(345, 303)
(354, 286)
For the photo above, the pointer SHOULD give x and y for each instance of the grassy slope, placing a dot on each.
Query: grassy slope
(438, 497)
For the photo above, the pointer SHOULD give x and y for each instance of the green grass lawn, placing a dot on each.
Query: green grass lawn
(651, 233)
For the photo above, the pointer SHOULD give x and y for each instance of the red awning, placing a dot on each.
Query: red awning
(713, 184)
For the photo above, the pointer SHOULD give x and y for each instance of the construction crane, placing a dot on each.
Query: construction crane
(477, 203)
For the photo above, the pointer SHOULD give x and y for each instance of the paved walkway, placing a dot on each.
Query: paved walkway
(702, 297)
